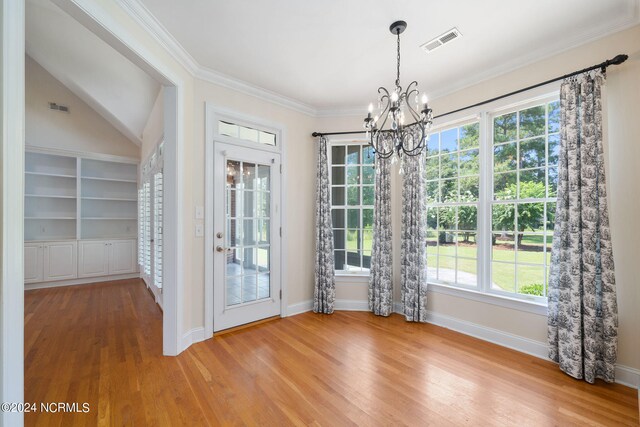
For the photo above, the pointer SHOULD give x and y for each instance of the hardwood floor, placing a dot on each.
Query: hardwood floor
(102, 344)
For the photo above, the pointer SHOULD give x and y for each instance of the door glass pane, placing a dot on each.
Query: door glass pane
(248, 229)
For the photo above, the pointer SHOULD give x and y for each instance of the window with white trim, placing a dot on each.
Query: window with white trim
(525, 146)
(491, 193)
(453, 181)
(352, 187)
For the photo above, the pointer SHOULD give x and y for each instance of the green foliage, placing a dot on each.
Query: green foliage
(532, 289)
(529, 214)
(469, 135)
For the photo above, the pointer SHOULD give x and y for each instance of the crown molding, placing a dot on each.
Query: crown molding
(139, 13)
(220, 79)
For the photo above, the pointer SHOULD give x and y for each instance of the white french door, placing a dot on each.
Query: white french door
(247, 248)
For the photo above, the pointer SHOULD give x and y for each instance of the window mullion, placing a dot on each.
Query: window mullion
(484, 203)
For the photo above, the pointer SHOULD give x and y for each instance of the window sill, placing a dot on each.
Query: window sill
(533, 307)
(351, 278)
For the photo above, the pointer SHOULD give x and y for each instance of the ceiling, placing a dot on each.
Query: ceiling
(96, 73)
(333, 54)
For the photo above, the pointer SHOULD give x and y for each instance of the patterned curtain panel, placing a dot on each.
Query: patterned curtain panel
(324, 292)
(583, 315)
(413, 270)
(380, 276)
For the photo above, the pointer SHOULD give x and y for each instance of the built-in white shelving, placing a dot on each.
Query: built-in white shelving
(68, 197)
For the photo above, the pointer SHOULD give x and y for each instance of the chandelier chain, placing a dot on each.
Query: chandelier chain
(398, 68)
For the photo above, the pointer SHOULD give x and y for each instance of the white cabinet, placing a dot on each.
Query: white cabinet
(60, 261)
(33, 262)
(122, 257)
(106, 257)
(50, 261)
(93, 258)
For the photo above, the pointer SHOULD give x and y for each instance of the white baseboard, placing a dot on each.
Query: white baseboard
(82, 281)
(193, 336)
(299, 308)
(351, 305)
(628, 376)
(340, 304)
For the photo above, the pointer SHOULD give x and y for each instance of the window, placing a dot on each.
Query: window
(453, 181)
(491, 200)
(244, 132)
(525, 147)
(352, 186)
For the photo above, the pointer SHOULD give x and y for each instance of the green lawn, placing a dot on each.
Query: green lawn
(504, 270)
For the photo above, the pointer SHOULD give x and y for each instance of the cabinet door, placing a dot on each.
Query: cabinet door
(122, 256)
(60, 261)
(93, 258)
(33, 263)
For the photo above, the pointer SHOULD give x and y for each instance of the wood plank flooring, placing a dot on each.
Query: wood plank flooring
(102, 344)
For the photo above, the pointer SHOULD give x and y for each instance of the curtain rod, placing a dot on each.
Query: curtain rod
(617, 60)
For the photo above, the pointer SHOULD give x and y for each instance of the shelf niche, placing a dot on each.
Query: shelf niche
(69, 197)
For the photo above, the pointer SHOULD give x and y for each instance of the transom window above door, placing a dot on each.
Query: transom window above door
(234, 130)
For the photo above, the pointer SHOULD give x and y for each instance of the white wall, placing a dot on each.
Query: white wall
(623, 128)
(154, 128)
(82, 129)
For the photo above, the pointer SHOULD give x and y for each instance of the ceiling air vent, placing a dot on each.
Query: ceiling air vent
(446, 37)
(54, 106)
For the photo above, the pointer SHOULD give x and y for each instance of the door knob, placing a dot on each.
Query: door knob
(220, 249)
(219, 235)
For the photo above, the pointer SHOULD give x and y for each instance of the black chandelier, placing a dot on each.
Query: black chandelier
(388, 130)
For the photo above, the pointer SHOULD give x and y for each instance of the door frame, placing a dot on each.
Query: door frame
(12, 21)
(213, 113)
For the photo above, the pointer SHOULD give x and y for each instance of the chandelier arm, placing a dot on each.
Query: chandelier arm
(414, 114)
(384, 114)
(418, 148)
(382, 153)
(378, 130)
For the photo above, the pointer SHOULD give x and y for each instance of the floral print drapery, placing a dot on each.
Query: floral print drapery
(582, 310)
(325, 286)
(413, 251)
(380, 277)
